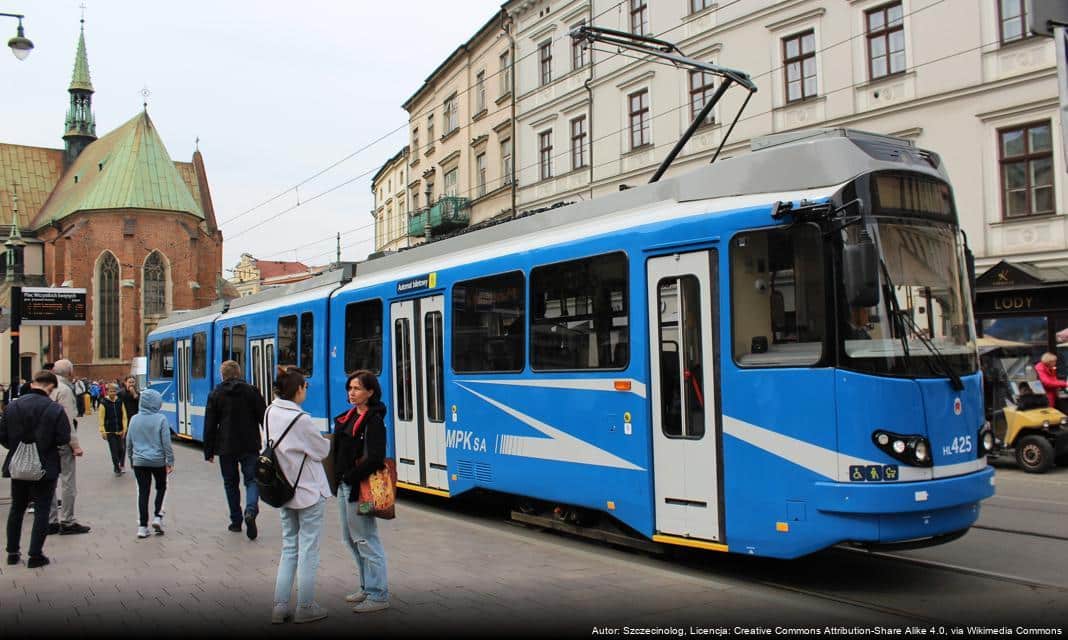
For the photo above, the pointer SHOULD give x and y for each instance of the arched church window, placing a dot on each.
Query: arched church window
(155, 285)
(108, 301)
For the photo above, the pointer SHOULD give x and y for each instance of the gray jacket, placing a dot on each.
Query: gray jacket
(148, 440)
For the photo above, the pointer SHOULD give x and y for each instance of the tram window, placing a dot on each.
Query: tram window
(200, 354)
(307, 345)
(779, 304)
(488, 324)
(682, 401)
(161, 359)
(226, 343)
(363, 336)
(579, 315)
(287, 340)
(402, 372)
(435, 364)
(237, 348)
(257, 377)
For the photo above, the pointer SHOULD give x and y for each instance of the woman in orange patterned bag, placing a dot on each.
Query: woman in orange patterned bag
(359, 451)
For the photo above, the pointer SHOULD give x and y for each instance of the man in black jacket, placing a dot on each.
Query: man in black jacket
(232, 422)
(33, 417)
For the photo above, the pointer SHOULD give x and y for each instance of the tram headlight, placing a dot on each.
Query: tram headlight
(913, 450)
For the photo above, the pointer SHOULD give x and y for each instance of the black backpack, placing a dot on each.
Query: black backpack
(274, 487)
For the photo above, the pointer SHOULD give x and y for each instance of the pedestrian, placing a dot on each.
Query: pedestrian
(300, 455)
(1046, 368)
(148, 446)
(64, 395)
(80, 391)
(232, 419)
(113, 423)
(33, 417)
(130, 396)
(94, 394)
(359, 450)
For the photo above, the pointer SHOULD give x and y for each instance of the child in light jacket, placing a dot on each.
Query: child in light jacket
(148, 445)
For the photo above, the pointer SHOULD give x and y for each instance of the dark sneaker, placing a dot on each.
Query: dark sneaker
(250, 524)
(37, 561)
(13, 558)
(53, 528)
(235, 527)
(71, 529)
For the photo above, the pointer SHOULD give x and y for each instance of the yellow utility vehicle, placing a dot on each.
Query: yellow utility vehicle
(1036, 432)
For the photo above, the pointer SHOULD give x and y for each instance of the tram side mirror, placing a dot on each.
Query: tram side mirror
(969, 264)
(860, 264)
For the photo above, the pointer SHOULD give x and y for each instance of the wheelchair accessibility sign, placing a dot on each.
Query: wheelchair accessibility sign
(873, 473)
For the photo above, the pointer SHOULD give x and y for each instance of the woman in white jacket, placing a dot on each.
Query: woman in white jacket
(300, 454)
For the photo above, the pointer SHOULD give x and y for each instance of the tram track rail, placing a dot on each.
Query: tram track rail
(1021, 532)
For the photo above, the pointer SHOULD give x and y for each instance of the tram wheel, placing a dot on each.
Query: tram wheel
(1034, 454)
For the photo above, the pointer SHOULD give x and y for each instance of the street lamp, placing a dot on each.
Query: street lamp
(20, 45)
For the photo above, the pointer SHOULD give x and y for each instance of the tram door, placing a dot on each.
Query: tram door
(261, 363)
(182, 363)
(683, 316)
(419, 390)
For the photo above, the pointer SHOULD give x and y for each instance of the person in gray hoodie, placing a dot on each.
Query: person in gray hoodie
(148, 445)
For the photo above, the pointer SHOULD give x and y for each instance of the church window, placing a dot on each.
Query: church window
(155, 285)
(108, 314)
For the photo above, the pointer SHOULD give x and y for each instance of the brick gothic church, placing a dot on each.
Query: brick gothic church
(116, 216)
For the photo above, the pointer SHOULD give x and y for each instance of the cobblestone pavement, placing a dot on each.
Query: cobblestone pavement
(446, 574)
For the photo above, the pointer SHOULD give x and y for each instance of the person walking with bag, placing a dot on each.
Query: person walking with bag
(113, 422)
(33, 418)
(61, 519)
(148, 445)
(360, 450)
(299, 449)
(232, 422)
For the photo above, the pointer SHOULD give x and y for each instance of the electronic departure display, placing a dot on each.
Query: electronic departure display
(45, 306)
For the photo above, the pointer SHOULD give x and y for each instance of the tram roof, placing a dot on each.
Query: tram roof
(287, 294)
(182, 319)
(786, 162)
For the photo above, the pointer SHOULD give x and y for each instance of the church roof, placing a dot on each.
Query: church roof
(34, 172)
(128, 168)
(80, 78)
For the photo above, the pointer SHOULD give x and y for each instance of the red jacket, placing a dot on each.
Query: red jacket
(1050, 382)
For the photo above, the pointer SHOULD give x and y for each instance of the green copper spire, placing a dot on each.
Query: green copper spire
(80, 79)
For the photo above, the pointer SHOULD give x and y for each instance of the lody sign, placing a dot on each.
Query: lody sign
(44, 306)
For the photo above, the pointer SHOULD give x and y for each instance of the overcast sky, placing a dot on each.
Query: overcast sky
(276, 91)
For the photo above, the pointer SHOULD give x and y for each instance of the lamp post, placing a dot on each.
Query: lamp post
(20, 45)
(14, 280)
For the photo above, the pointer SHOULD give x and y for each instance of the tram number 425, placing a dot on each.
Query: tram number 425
(960, 444)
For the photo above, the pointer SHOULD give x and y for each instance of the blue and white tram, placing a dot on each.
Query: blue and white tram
(770, 355)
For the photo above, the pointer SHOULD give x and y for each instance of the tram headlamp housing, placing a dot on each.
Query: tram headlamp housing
(913, 450)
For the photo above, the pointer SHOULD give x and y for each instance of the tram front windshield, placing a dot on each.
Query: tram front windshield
(917, 319)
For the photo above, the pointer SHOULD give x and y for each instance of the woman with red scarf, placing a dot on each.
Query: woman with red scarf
(1047, 373)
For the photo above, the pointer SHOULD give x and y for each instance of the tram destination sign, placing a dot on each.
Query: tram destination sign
(46, 306)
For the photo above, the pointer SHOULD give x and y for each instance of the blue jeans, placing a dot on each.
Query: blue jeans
(229, 467)
(360, 534)
(301, 531)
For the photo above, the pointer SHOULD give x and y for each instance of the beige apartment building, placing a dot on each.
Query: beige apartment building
(460, 121)
(390, 189)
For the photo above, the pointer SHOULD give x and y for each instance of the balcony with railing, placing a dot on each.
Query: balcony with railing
(447, 214)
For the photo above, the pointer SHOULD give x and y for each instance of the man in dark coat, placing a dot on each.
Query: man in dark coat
(33, 417)
(232, 422)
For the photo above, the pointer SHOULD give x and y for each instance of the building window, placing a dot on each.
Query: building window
(578, 142)
(108, 297)
(430, 129)
(545, 57)
(154, 285)
(1012, 20)
(701, 89)
(639, 118)
(799, 61)
(639, 17)
(449, 117)
(506, 161)
(545, 154)
(480, 92)
(415, 141)
(1027, 169)
(506, 73)
(451, 180)
(480, 173)
(886, 41)
(700, 5)
(579, 49)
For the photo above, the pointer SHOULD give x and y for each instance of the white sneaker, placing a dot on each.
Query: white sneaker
(310, 613)
(280, 613)
(157, 525)
(359, 596)
(369, 606)
(142, 532)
